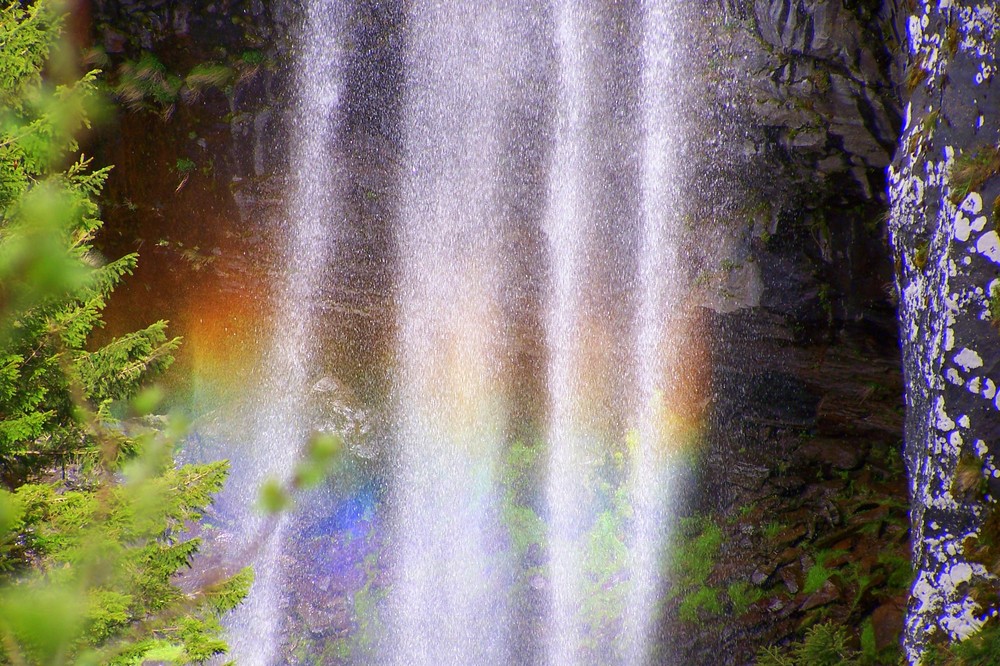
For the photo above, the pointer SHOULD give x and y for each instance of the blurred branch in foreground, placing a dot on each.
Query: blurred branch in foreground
(93, 511)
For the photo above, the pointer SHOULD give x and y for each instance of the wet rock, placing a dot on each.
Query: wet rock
(827, 594)
(114, 41)
(790, 536)
(792, 578)
(761, 575)
(325, 616)
(887, 620)
(837, 453)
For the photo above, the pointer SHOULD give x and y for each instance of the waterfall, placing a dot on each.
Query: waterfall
(615, 255)
(566, 493)
(654, 474)
(447, 600)
(522, 121)
(278, 410)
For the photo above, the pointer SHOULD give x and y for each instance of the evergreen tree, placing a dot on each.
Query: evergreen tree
(93, 511)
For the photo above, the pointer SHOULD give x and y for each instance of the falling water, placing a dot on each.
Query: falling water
(655, 474)
(281, 430)
(588, 98)
(614, 254)
(566, 492)
(447, 601)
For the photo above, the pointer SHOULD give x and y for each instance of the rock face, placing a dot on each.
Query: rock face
(943, 225)
(826, 84)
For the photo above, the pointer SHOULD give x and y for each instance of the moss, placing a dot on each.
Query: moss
(773, 529)
(970, 171)
(694, 558)
(815, 577)
(146, 79)
(525, 527)
(920, 255)
(993, 305)
(930, 122)
(868, 648)
(900, 571)
(983, 649)
(951, 39)
(252, 57)
(984, 547)
(915, 75)
(184, 165)
(704, 600)
(205, 76)
(969, 476)
(742, 595)
(819, 573)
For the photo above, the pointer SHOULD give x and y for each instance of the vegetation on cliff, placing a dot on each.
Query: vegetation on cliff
(93, 510)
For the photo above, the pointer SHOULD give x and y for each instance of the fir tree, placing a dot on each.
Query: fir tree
(93, 511)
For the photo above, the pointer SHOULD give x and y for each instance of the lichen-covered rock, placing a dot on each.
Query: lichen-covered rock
(944, 200)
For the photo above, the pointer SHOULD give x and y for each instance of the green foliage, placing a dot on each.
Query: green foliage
(523, 523)
(29, 34)
(526, 527)
(606, 557)
(702, 600)
(208, 75)
(818, 573)
(815, 577)
(982, 649)
(694, 554)
(868, 640)
(148, 83)
(823, 645)
(774, 656)
(773, 529)
(321, 455)
(742, 595)
(147, 79)
(93, 512)
(184, 165)
(252, 57)
(993, 305)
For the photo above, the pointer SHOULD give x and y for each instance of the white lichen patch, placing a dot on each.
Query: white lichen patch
(980, 28)
(989, 246)
(968, 359)
(973, 203)
(942, 422)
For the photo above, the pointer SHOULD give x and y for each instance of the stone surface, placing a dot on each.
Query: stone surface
(826, 594)
(946, 253)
